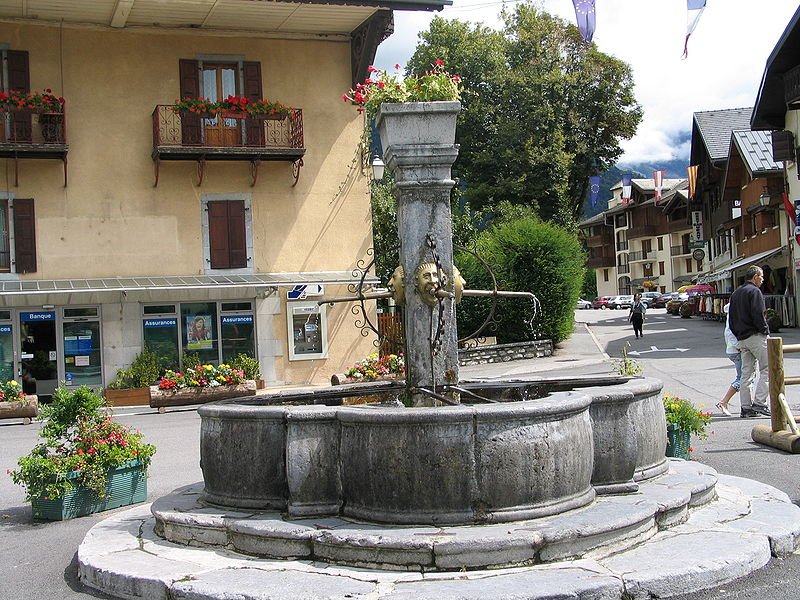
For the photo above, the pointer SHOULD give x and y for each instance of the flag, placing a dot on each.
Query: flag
(594, 188)
(584, 12)
(692, 171)
(626, 189)
(694, 8)
(787, 204)
(658, 183)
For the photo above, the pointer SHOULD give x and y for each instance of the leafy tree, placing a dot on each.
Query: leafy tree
(542, 110)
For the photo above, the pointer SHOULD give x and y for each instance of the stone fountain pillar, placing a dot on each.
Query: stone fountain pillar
(418, 140)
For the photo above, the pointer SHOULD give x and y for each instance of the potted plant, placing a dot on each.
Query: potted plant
(85, 461)
(250, 367)
(200, 384)
(373, 368)
(683, 420)
(37, 102)
(232, 107)
(199, 107)
(131, 386)
(773, 320)
(414, 110)
(14, 404)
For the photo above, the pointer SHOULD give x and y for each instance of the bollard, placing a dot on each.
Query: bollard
(775, 435)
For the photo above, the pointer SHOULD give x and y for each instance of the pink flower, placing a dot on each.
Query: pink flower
(397, 66)
(439, 62)
(372, 69)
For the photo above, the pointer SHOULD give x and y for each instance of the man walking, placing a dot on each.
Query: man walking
(748, 323)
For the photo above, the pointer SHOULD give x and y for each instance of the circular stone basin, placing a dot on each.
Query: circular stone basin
(492, 462)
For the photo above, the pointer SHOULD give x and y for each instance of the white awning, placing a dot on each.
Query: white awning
(737, 264)
(93, 290)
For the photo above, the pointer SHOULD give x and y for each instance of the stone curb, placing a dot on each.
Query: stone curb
(720, 541)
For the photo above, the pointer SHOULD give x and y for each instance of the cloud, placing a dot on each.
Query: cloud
(727, 54)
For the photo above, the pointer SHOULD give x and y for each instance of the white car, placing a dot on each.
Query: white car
(620, 302)
(583, 304)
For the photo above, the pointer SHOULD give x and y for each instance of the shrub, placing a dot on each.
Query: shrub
(143, 372)
(77, 436)
(248, 365)
(526, 254)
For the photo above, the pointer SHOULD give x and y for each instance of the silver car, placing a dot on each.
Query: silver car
(620, 302)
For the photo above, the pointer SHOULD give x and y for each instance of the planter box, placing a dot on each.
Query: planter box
(678, 442)
(161, 399)
(20, 409)
(127, 484)
(129, 397)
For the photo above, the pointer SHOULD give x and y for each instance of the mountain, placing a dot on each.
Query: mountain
(675, 169)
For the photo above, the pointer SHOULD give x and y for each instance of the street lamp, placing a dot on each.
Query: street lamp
(377, 168)
(764, 198)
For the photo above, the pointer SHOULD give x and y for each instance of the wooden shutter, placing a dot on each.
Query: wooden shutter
(191, 126)
(227, 237)
(19, 79)
(254, 128)
(24, 236)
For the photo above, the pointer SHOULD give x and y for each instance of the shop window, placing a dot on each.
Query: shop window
(307, 330)
(17, 236)
(160, 333)
(6, 349)
(82, 348)
(199, 333)
(227, 233)
(238, 336)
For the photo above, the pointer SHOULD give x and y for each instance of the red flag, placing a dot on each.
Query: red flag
(692, 171)
(787, 204)
(658, 183)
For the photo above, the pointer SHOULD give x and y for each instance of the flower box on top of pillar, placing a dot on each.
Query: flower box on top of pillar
(410, 123)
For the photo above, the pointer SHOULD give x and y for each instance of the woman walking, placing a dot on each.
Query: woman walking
(636, 315)
(735, 357)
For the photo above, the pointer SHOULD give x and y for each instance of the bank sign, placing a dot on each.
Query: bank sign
(28, 317)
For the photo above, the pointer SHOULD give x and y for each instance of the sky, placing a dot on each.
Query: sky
(727, 55)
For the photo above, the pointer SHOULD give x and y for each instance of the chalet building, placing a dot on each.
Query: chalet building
(123, 222)
(639, 242)
(777, 114)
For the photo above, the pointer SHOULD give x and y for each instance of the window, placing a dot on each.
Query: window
(308, 335)
(647, 246)
(216, 79)
(17, 236)
(605, 274)
(227, 233)
(688, 265)
(160, 333)
(15, 75)
(661, 267)
(699, 265)
(660, 243)
(82, 345)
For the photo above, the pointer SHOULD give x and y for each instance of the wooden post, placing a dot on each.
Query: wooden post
(776, 382)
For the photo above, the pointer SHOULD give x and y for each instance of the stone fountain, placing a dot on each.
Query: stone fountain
(504, 475)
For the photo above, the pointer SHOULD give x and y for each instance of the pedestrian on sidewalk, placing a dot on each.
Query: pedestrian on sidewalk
(735, 356)
(748, 322)
(636, 314)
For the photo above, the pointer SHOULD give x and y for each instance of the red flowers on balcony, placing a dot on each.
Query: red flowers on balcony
(44, 101)
(237, 105)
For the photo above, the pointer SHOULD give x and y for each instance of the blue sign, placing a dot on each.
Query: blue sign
(238, 320)
(5, 329)
(26, 317)
(155, 323)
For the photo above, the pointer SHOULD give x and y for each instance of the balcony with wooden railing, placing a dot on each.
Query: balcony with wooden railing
(600, 240)
(641, 256)
(227, 137)
(594, 262)
(791, 86)
(35, 134)
(641, 231)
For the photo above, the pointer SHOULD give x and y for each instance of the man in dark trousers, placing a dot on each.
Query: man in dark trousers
(747, 320)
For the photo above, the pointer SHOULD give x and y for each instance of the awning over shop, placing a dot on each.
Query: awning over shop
(684, 278)
(72, 290)
(737, 264)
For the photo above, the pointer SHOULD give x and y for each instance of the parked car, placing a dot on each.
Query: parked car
(601, 302)
(620, 302)
(674, 305)
(661, 301)
(583, 304)
(650, 299)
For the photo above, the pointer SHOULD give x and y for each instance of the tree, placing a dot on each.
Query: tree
(542, 110)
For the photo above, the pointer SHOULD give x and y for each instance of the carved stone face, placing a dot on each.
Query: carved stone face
(397, 287)
(429, 282)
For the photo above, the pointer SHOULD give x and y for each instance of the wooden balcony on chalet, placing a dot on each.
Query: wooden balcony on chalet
(594, 262)
(30, 134)
(641, 231)
(791, 87)
(227, 137)
(600, 240)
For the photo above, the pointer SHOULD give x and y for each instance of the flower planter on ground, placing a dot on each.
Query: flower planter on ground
(126, 484)
(26, 409)
(161, 399)
(129, 397)
(678, 442)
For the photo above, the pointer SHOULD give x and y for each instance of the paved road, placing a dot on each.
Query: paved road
(39, 557)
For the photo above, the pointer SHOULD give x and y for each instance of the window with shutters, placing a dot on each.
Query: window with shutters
(216, 78)
(17, 235)
(15, 75)
(227, 233)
